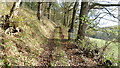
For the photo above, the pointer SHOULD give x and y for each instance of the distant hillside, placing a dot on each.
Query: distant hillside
(106, 33)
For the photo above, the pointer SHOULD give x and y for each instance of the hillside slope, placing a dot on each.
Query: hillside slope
(26, 46)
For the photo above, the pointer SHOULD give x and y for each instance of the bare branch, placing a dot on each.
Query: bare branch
(108, 12)
(106, 4)
(108, 19)
(99, 15)
(111, 13)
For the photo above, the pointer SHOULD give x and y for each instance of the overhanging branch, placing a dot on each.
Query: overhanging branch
(104, 5)
(107, 4)
(111, 14)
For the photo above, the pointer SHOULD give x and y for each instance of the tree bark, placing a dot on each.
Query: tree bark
(12, 9)
(64, 13)
(67, 18)
(73, 19)
(73, 15)
(82, 24)
(54, 14)
(38, 11)
(49, 10)
(64, 23)
(44, 8)
(106, 4)
(41, 9)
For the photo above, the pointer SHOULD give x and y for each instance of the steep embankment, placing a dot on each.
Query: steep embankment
(24, 48)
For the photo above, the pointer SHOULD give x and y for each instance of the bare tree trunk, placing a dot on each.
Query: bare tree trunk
(41, 9)
(64, 23)
(12, 9)
(38, 11)
(53, 16)
(44, 8)
(49, 10)
(82, 24)
(67, 18)
(73, 19)
(73, 16)
(10, 14)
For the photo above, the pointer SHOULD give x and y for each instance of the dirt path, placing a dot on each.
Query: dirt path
(62, 53)
(52, 51)
(45, 57)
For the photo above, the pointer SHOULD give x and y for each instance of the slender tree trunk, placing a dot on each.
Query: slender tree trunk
(73, 15)
(54, 14)
(41, 9)
(64, 22)
(11, 12)
(12, 9)
(67, 18)
(70, 20)
(38, 11)
(44, 8)
(82, 24)
(49, 10)
(73, 19)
